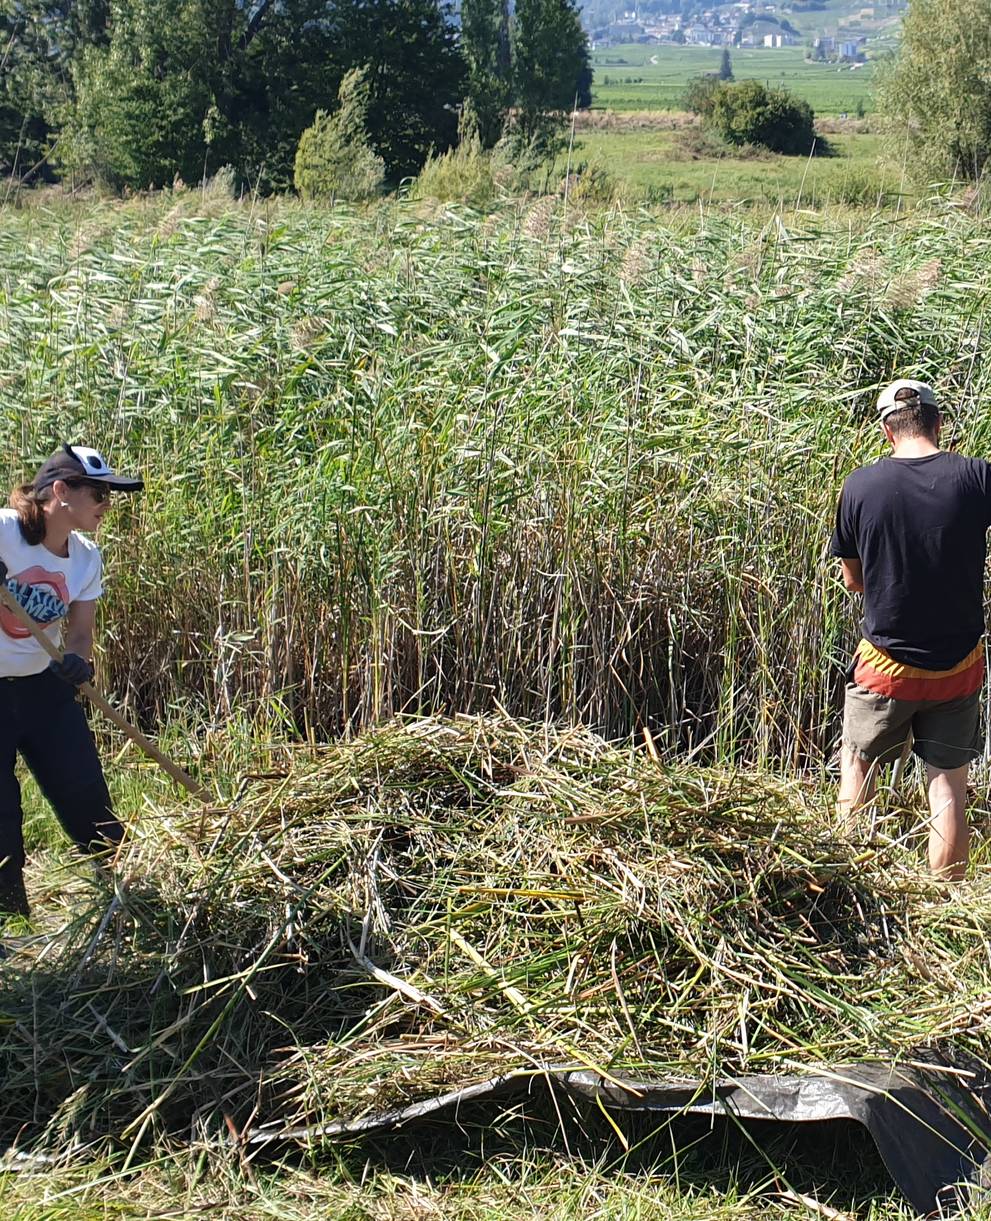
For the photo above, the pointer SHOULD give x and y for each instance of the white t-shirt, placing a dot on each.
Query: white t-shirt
(45, 584)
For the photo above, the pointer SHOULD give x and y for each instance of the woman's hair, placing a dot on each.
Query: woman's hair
(29, 505)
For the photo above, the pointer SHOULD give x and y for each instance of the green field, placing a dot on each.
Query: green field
(628, 78)
(654, 166)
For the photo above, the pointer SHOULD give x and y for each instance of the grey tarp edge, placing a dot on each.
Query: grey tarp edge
(931, 1129)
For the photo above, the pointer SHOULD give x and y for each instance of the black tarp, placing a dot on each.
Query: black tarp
(928, 1118)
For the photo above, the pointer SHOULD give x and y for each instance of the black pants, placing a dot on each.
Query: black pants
(41, 719)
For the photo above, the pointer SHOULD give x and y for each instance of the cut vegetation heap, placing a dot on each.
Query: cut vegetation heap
(437, 903)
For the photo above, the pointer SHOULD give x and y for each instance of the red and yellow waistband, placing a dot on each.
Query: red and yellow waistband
(876, 671)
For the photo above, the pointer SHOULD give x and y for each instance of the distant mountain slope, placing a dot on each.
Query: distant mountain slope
(809, 18)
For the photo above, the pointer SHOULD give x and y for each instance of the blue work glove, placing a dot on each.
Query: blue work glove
(72, 669)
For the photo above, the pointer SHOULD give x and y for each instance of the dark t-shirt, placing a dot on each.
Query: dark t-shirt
(918, 527)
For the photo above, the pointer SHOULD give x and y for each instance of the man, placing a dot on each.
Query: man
(910, 536)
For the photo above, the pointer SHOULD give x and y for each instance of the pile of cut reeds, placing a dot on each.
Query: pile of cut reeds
(440, 901)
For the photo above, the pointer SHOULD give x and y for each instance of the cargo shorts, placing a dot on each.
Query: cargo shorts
(947, 733)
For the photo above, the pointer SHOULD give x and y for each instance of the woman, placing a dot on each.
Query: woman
(54, 573)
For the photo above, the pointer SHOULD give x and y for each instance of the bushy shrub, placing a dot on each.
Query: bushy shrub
(700, 94)
(591, 183)
(748, 113)
(465, 174)
(333, 159)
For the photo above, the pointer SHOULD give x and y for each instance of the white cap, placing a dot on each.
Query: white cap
(887, 403)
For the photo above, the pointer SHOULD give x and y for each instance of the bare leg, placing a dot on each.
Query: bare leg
(858, 779)
(949, 835)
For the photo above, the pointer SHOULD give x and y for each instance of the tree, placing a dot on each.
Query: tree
(23, 93)
(551, 74)
(725, 66)
(140, 101)
(416, 76)
(186, 86)
(333, 158)
(938, 88)
(134, 92)
(283, 62)
(700, 95)
(485, 44)
(38, 42)
(183, 86)
(748, 113)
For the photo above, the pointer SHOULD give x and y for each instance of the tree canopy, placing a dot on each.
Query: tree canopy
(938, 88)
(39, 41)
(135, 93)
(551, 72)
(485, 41)
(416, 77)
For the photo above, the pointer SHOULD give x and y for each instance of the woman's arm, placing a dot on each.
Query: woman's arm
(79, 629)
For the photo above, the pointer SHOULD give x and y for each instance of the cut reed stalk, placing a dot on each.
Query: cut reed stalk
(441, 902)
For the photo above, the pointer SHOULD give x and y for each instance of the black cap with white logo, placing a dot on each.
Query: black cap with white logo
(80, 462)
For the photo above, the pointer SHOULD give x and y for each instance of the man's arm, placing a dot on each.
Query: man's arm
(844, 544)
(853, 575)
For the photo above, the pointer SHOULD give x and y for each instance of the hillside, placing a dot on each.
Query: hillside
(810, 18)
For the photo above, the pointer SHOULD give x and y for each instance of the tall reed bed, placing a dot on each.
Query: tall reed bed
(576, 465)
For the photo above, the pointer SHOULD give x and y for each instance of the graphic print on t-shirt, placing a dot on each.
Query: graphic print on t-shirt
(43, 594)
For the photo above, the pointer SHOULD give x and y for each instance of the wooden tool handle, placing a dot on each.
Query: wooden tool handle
(101, 702)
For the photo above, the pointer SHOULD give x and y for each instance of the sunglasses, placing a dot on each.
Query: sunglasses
(99, 491)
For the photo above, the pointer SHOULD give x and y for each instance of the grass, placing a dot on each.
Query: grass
(661, 166)
(653, 77)
(416, 459)
(721, 1184)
